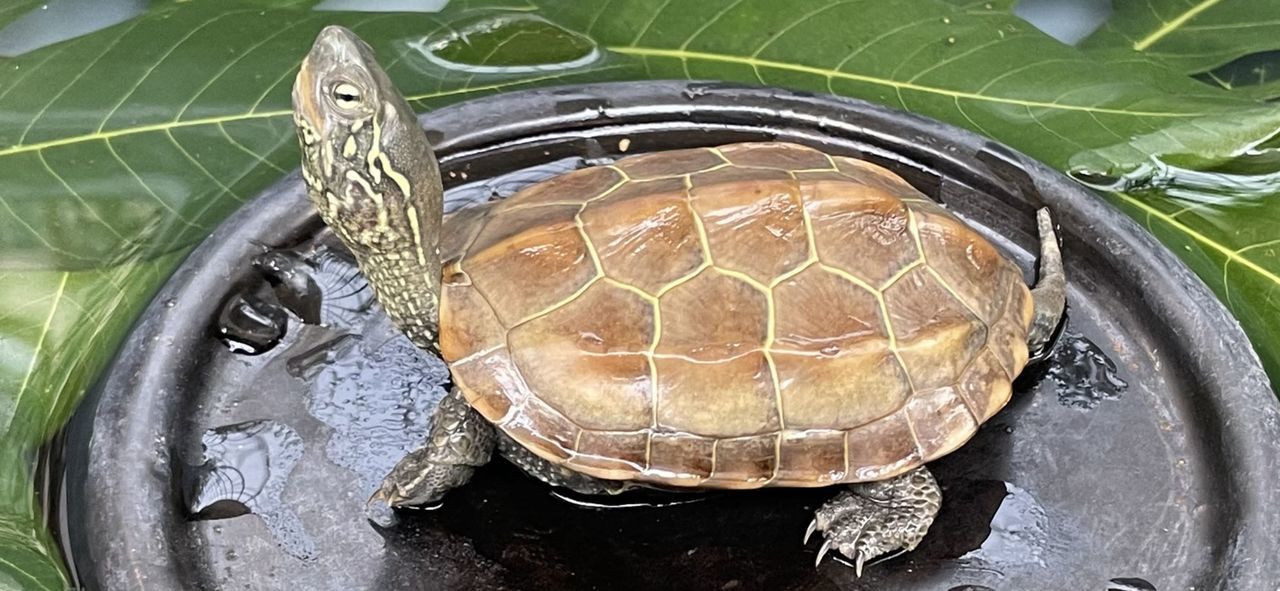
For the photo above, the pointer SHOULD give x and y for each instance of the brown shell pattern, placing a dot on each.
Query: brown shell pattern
(758, 314)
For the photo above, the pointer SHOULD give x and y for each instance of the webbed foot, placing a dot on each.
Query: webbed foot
(874, 518)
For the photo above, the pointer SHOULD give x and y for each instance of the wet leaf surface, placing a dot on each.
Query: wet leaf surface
(122, 147)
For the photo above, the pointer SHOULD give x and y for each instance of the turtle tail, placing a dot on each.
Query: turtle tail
(1050, 292)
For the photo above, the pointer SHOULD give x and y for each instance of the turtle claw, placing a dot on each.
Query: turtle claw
(822, 552)
(813, 527)
(872, 520)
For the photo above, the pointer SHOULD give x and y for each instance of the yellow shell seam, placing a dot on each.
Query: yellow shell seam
(595, 260)
(770, 318)
(911, 426)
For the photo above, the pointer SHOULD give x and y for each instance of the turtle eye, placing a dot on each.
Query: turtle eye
(346, 95)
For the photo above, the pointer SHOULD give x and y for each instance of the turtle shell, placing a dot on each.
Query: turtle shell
(758, 314)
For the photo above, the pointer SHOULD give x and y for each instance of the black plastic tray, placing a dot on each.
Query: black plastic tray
(1081, 483)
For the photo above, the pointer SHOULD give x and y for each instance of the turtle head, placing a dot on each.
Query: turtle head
(372, 175)
(368, 166)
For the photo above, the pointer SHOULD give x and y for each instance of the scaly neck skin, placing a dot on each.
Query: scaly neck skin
(408, 291)
(385, 201)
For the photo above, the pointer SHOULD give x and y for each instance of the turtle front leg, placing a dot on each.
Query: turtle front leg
(873, 518)
(460, 440)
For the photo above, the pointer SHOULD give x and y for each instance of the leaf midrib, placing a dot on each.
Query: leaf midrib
(1173, 25)
(223, 119)
(633, 50)
(755, 62)
(1231, 256)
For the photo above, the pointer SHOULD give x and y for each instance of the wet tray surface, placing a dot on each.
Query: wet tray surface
(247, 466)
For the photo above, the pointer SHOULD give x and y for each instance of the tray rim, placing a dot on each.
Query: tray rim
(1221, 356)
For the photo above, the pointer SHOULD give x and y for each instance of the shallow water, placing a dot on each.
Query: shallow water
(1085, 375)
(246, 468)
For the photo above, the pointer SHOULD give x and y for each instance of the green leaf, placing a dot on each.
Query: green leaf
(1200, 37)
(25, 562)
(29, 558)
(121, 148)
(58, 329)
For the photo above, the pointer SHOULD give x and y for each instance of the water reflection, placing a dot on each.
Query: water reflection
(252, 322)
(1068, 21)
(1130, 584)
(1248, 179)
(507, 44)
(382, 5)
(371, 386)
(1084, 373)
(59, 20)
(1018, 532)
(245, 470)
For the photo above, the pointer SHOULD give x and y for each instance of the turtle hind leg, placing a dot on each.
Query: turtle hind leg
(874, 518)
(460, 440)
(1050, 292)
(554, 474)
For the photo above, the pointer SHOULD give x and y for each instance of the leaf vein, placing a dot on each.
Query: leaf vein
(151, 69)
(23, 572)
(78, 197)
(231, 64)
(164, 204)
(35, 353)
(44, 109)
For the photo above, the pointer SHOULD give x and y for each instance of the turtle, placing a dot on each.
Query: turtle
(750, 315)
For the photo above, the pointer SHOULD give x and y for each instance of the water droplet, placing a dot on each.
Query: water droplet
(169, 303)
(1083, 372)
(951, 40)
(946, 20)
(506, 44)
(251, 323)
(696, 91)
(244, 470)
